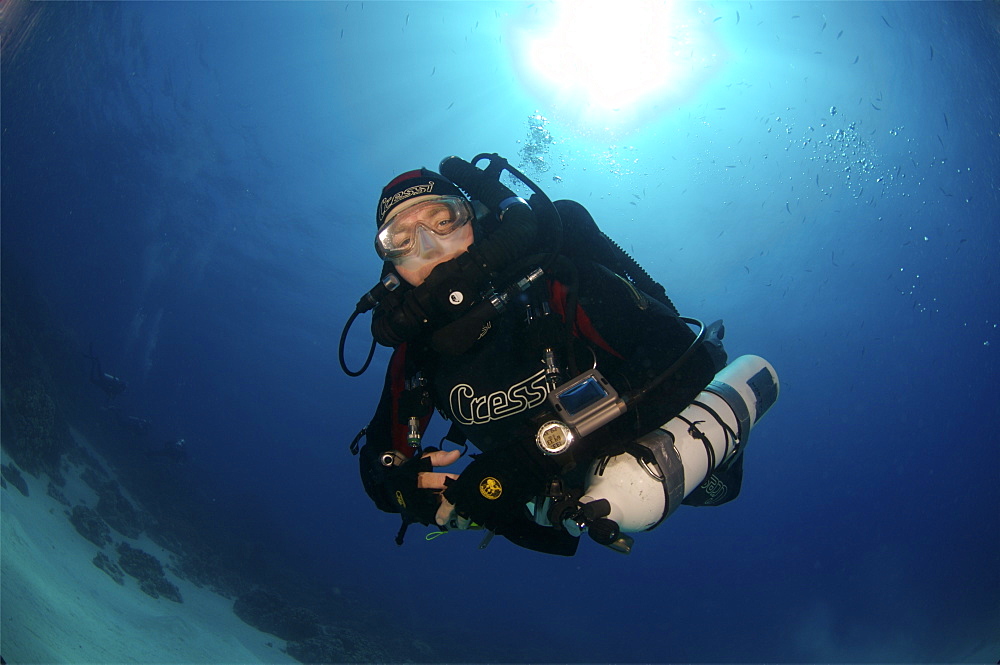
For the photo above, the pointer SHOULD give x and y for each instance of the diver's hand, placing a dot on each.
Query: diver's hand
(415, 488)
(493, 489)
(431, 480)
(448, 518)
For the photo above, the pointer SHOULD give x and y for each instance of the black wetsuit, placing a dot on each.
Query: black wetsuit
(495, 392)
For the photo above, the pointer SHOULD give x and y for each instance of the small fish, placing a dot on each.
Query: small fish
(833, 260)
(716, 19)
(434, 70)
(730, 166)
(787, 209)
(407, 21)
(737, 18)
(932, 51)
(875, 107)
(450, 105)
(747, 269)
(638, 198)
(939, 140)
(633, 203)
(720, 108)
(856, 58)
(886, 22)
(945, 120)
(840, 34)
(817, 180)
(341, 33)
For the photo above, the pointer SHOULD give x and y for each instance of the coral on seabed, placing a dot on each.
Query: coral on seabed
(114, 507)
(107, 565)
(338, 645)
(205, 569)
(39, 434)
(90, 525)
(146, 569)
(10, 473)
(269, 612)
(57, 494)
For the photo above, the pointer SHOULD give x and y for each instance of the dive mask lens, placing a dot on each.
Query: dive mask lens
(441, 215)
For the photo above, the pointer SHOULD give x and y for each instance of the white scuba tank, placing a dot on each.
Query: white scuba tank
(709, 433)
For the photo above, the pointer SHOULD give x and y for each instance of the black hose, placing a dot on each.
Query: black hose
(638, 395)
(343, 339)
(475, 182)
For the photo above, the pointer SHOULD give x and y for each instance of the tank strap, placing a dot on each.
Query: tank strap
(660, 444)
(735, 401)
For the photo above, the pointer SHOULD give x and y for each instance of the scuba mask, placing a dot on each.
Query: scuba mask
(426, 223)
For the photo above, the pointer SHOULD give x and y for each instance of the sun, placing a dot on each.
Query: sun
(615, 62)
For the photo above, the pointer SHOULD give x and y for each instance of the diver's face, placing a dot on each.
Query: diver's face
(432, 250)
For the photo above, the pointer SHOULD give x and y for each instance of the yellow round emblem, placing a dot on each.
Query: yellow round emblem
(490, 487)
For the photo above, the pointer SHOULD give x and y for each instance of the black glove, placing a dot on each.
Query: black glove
(448, 292)
(415, 504)
(452, 287)
(493, 489)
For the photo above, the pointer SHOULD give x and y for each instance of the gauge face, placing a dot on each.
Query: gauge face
(554, 437)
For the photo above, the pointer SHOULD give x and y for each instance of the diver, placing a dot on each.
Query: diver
(551, 351)
(134, 425)
(111, 385)
(174, 450)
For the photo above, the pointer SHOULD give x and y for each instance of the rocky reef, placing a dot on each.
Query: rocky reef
(338, 645)
(10, 473)
(269, 612)
(40, 435)
(205, 569)
(57, 494)
(113, 506)
(107, 565)
(90, 525)
(312, 639)
(146, 569)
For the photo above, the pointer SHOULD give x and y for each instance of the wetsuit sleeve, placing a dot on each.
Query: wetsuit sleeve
(386, 433)
(394, 488)
(378, 440)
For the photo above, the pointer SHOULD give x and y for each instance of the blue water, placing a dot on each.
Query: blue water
(191, 186)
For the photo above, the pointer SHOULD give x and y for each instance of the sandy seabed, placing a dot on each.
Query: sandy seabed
(56, 606)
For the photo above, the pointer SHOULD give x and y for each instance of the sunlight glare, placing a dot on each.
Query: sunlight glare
(605, 59)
